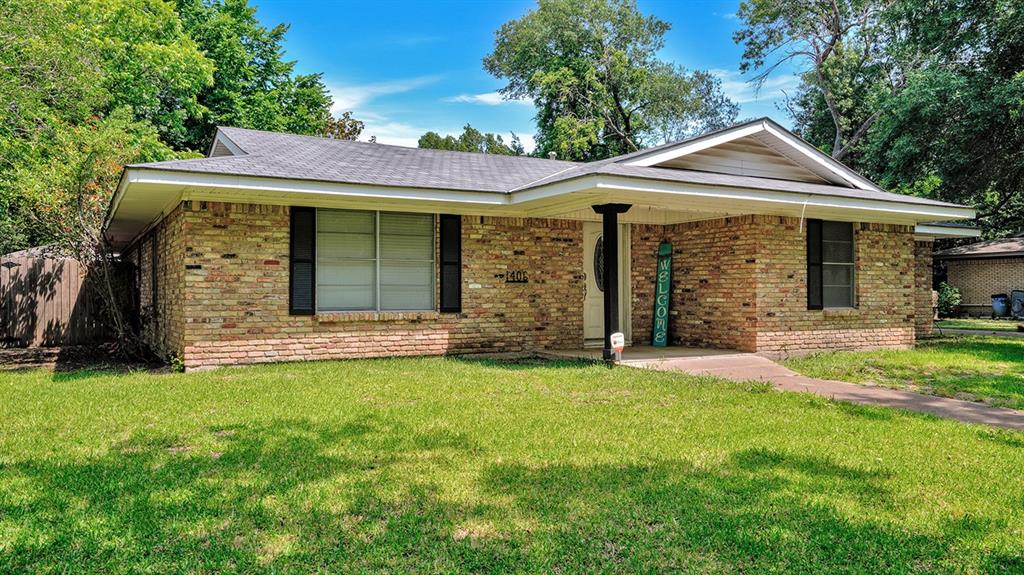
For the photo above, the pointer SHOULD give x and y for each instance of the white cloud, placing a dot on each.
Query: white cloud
(741, 91)
(487, 99)
(347, 98)
(394, 133)
(403, 134)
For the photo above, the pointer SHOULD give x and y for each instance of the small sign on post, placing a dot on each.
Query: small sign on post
(662, 294)
(618, 341)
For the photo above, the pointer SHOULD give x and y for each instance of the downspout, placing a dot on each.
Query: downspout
(802, 211)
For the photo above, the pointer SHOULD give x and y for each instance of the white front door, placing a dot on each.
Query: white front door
(593, 301)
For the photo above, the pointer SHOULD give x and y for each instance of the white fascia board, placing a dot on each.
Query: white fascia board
(931, 232)
(193, 180)
(913, 210)
(698, 145)
(823, 160)
(115, 201)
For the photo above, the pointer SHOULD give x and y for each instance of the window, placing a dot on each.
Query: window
(380, 261)
(830, 265)
(837, 264)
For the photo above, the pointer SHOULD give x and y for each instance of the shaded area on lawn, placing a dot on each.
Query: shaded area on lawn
(153, 503)
(976, 368)
(394, 483)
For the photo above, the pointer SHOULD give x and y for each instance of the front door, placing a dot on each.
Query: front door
(593, 268)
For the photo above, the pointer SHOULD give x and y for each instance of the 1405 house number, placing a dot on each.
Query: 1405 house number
(517, 277)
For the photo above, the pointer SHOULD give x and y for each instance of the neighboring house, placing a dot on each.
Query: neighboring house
(284, 247)
(982, 270)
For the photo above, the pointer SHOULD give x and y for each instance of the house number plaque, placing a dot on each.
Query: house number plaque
(517, 277)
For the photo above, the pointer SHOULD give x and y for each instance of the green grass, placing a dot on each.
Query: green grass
(979, 324)
(989, 369)
(446, 465)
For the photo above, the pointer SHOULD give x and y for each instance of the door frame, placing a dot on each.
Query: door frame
(625, 284)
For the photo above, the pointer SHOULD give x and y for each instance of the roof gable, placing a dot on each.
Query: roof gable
(760, 148)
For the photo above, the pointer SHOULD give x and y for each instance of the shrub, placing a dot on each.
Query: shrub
(949, 300)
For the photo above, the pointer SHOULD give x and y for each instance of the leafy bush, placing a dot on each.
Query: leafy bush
(949, 300)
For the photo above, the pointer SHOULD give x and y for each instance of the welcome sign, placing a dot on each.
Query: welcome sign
(662, 291)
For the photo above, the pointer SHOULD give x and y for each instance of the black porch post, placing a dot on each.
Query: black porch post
(610, 231)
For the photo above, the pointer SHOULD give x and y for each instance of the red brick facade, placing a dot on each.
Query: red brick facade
(737, 283)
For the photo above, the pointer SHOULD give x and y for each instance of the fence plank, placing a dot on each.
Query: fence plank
(49, 302)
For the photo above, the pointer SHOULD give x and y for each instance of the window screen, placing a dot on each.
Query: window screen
(837, 262)
(374, 261)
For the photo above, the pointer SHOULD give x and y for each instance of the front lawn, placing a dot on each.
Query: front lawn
(989, 369)
(447, 465)
(979, 324)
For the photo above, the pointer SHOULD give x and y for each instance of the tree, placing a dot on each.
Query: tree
(924, 96)
(344, 128)
(253, 86)
(841, 46)
(956, 132)
(472, 140)
(90, 85)
(590, 68)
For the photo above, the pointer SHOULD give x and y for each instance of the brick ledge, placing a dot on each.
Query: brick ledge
(357, 316)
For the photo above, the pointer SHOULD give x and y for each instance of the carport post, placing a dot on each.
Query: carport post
(610, 231)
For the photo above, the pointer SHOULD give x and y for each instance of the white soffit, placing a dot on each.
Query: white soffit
(788, 147)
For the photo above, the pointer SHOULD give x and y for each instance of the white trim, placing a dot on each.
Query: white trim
(823, 160)
(544, 201)
(927, 232)
(222, 138)
(259, 184)
(789, 198)
(685, 148)
(806, 150)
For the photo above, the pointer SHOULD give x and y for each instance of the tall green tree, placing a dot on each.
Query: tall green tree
(472, 140)
(590, 68)
(253, 86)
(841, 47)
(63, 84)
(922, 95)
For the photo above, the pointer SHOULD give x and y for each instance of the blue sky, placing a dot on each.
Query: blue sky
(408, 67)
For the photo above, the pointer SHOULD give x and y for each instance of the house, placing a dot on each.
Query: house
(982, 270)
(284, 247)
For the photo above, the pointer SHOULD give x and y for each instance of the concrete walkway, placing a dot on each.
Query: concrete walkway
(739, 366)
(746, 366)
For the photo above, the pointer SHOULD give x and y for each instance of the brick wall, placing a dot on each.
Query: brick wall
(884, 316)
(979, 279)
(741, 283)
(924, 312)
(236, 293)
(162, 321)
(738, 283)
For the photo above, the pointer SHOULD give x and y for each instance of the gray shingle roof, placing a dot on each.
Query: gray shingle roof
(1007, 247)
(270, 154)
(289, 156)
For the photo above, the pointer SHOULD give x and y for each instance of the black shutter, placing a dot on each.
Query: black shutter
(451, 263)
(302, 270)
(814, 254)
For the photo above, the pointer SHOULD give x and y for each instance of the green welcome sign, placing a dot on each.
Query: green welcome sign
(662, 291)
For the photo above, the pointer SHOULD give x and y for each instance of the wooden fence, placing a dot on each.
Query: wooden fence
(47, 302)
